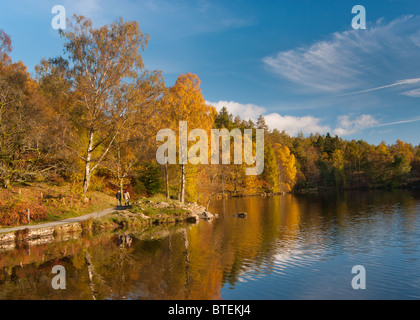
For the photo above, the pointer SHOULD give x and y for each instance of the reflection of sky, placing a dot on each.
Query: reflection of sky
(317, 264)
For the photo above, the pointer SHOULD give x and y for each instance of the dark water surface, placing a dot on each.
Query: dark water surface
(288, 247)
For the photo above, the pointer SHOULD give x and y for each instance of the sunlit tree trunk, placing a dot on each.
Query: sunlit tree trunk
(86, 180)
(167, 181)
(182, 193)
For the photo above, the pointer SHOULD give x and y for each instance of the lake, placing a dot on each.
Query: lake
(288, 247)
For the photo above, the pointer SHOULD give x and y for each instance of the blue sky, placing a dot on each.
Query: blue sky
(299, 63)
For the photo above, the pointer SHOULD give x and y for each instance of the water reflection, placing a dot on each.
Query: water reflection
(288, 247)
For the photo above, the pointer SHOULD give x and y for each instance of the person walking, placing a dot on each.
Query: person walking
(118, 196)
(127, 198)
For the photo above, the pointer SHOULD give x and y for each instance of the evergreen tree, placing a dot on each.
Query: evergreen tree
(151, 178)
(261, 124)
(223, 119)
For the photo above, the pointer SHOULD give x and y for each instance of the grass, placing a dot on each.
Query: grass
(172, 210)
(157, 212)
(98, 201)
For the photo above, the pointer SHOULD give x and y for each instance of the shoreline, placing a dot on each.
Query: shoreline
(142, 214)
(326, 189)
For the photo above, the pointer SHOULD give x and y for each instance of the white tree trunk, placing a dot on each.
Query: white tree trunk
(182, 193)
(88, 171)
(167, 181)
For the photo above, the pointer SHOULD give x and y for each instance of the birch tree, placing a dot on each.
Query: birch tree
(104, 63)
(185, 102)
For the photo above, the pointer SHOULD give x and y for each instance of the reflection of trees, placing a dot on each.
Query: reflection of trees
(194, 262)
(280, 227)
(271, 222)
(96, 268)
(187, 258)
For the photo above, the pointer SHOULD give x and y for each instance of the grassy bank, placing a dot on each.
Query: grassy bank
(150, 211)
(141, 215)
(49, 203)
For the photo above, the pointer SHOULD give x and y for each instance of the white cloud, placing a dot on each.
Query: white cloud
(293, 125)
(348, 125)
(354, 59)
(245, 111)
(415, 93)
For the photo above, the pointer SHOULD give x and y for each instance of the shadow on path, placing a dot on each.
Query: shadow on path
(119, 208)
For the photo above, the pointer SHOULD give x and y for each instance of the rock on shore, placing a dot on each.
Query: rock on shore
(241, 215)
(198, 212)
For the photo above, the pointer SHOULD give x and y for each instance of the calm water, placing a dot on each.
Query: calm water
(289, 247)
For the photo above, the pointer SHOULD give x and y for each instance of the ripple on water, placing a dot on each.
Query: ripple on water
(315, 258)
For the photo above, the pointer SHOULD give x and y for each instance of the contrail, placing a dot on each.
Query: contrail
(398, 83)
(397, 122)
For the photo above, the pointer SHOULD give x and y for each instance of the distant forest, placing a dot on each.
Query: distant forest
(324, 161)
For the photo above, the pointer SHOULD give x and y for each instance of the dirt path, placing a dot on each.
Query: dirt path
(88, 216)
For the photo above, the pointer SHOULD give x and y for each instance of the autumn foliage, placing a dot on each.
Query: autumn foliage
(89, 118)
(13, 214)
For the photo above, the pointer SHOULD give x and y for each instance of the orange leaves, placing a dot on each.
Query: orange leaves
(185, 102)
(15, 214)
